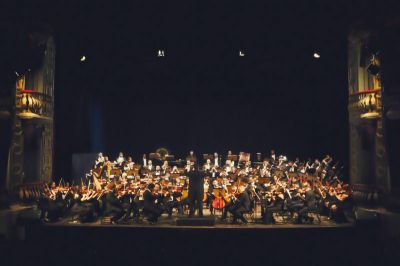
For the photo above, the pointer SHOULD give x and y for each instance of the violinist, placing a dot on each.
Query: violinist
(113, 206)
(275, 203)
(241, 205)
(310, 204)
(175, 170)
(152, 210)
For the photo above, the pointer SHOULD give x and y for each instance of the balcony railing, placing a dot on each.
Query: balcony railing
(367, 103)
(32, 104)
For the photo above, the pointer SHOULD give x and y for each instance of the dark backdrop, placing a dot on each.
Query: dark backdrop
(202, 95)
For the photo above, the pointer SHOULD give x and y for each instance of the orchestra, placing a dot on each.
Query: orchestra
(131, 192)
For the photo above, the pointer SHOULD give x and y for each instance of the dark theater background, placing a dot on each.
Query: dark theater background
(202, 95)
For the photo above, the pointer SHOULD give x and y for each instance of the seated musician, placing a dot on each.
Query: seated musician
(310, 204)
(150, 207)
(175, 170)
(165, 167)
(239, 206)
(113, 206)
(188, 166)
(158, 171)
(247, 168)
(150, 165)
(337, 203)
(172, 201)
(130, 163)
(207, 166)
(274, 203)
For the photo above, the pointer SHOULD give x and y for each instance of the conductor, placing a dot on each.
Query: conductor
(196, 190)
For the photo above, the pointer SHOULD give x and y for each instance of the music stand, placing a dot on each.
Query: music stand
(169, 158)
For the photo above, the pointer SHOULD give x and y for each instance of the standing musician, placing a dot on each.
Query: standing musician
(196, 190)
(217, 160)
(99, 161)
(120, 161)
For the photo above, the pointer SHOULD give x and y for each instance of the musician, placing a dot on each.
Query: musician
(120, 161)
(191, 157)
(265, 170)
(144, 160)
(188, 166)
(327, 160)
(150, 165)
(207, 166)
(273, 157)
(196, 190)
(129, 164)
(150, 207)
(240, 206)
(158, 171)
(165, 167)
(113, 206)
(274, 204)
(217, 160)
(99, 161)
(175, 170)
(310, 204)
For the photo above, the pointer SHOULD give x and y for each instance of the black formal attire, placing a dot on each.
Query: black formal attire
(241, 206)
(310, 204)
(274, 206)
(151, 209)
(196, 191)
(113, 207)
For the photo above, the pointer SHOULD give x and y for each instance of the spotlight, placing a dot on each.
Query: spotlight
(161, 53)
(83, 58)
(317, 55)
(241, 54)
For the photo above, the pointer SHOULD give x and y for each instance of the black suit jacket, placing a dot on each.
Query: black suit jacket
(244, 201)
(196, 181)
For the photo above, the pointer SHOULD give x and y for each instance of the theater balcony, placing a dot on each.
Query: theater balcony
(34, 106)
(366, 104)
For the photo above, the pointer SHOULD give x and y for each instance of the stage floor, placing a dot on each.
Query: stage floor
(165, 222)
